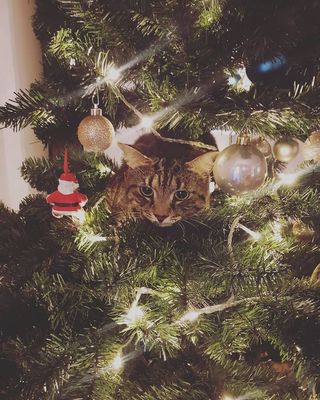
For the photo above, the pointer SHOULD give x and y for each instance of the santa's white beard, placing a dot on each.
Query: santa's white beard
(66, 187)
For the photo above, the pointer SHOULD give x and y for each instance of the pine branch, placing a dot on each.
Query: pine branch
(30, 107)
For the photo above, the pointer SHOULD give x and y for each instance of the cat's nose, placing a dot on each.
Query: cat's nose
(160, 218)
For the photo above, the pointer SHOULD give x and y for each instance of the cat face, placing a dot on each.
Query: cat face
(165, 191)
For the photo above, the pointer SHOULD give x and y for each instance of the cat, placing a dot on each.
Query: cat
(160, 181)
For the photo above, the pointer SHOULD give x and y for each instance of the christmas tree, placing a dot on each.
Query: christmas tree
(224, 304)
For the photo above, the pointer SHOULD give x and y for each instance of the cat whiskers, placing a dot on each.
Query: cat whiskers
(182, 227)
(133, 214)
(187, 221)
(195, 221)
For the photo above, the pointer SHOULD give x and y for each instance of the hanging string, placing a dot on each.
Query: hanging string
(65, 161)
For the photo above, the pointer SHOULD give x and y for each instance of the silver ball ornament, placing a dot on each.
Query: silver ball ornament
(240, 168)
(285, 149)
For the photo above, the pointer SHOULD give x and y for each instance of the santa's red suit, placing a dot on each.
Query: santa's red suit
(67, 200)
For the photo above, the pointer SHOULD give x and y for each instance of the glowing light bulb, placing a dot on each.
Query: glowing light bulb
(134, 314)
(146, 122)
(80, 216)
(276, 227)
(244, 83)
(113, 74)
(254, 235)
(232, 80)
(190, 316)
(227, 397)
(95, 238)
(117, 363)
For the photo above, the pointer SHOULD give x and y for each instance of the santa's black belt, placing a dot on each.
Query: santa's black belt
(66, 204)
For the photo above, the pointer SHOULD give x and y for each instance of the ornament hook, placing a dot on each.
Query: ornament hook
(95, 98)
(95, 101)
(243, 138)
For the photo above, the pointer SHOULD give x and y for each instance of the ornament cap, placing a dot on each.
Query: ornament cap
(96, 110)
(243, 139)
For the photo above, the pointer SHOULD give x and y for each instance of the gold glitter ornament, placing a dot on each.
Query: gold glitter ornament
(95, 132)
(285, 149)
(311, 147)
(240, 168)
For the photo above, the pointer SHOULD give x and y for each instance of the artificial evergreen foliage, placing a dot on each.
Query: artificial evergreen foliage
(87, 313)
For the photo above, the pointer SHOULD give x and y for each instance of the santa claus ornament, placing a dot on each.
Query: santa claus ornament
(67, 200)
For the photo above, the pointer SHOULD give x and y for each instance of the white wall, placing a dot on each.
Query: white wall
(20, 64)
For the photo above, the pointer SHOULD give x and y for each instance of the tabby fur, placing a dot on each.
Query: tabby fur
(167, 170)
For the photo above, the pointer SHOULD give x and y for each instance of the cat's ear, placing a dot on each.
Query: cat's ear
(203, 164)
(133, 158)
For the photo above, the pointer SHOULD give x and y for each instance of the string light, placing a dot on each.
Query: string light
(134, 314)
(288, 179)
(276, 227)
(190, 316)
(239, 80)
(117, 363)
(246, 83)
(291, 178)
(80, 216)
(232, 80)
(112, 74)
(95, 238)
(254, 235)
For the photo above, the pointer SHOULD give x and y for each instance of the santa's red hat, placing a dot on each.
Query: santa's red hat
(67, 176)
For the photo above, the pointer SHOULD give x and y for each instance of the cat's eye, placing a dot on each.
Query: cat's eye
(146, 191)
(181, 194)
